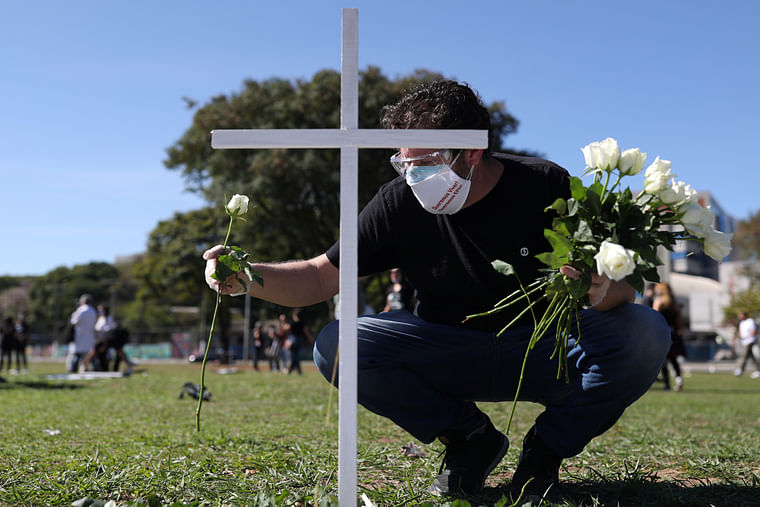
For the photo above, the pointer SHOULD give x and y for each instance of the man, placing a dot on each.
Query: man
(748, 336)
(83, 319)
(443, 221)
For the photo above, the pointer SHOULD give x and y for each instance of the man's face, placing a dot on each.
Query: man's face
(448, 157)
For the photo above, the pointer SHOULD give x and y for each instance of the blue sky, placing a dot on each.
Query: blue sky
(91, 94)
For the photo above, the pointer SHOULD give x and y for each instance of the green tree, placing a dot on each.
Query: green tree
(53, 296)
(295, 211)
(747, 242)
(747, 237)
(295, 192)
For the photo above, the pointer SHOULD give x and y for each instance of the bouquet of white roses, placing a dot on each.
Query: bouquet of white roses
(607, 229)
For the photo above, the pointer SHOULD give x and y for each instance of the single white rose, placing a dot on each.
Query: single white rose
(717, 244)
(238, 205)
(631, 162)
(675, 193)
(657, 176)
(614, 260)
(697, 219)
(602, 155)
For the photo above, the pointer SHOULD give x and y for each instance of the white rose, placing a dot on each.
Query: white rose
(691, 195)
(614, 260)
(238, 205)
(631, 161)
(717, 244)
(674, 194)
(657, 176)
(696, 219)
(601, 155)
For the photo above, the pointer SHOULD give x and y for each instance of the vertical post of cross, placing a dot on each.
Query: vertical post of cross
(349, 191)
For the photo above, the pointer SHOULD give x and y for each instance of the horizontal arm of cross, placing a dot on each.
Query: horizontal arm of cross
(340, 138)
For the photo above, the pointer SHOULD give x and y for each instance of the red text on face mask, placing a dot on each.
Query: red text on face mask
(450, 194)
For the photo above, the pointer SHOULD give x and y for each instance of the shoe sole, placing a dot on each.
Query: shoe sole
(497, 459)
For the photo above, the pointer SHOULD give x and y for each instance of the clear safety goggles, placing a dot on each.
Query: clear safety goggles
(432, 161)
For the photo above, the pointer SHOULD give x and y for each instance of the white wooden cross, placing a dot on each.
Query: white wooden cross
(349, 138)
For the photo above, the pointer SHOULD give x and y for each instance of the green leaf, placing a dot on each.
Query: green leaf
(651, 275)
(553, 260)
(572, 207)
(502, 267)
(254, 275)
(560, 244)
(580, 287)
(577, 189)
(584, 232)
(560, 225)
(594, 200)
(560, 206)
(636, 281)
(226, 266)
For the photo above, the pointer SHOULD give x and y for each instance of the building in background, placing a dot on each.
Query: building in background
(701, 286)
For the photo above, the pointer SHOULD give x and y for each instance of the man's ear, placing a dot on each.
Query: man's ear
(472, 157)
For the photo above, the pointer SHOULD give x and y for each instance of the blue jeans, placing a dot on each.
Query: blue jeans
(426, 377)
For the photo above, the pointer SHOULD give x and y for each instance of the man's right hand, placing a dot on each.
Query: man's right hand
(231, 286)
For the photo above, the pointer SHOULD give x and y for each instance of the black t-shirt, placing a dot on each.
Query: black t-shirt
(447, 258)
(297, 328)
(117, 337)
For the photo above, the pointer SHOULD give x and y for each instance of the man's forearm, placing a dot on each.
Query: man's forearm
(296, 283)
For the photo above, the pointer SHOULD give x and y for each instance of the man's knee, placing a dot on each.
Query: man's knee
(326, 352)
(646, 337)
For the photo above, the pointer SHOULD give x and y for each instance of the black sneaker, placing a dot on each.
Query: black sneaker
(537, 474)
(468, 460)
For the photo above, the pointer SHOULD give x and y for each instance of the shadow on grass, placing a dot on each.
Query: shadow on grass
(708, 390)
(31, 384)
(643, 493)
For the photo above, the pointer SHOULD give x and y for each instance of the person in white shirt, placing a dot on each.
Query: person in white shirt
(748, 337)
(83, 319)
(104, 323)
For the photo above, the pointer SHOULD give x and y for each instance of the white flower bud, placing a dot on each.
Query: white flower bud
(631, 162)
(238, 205)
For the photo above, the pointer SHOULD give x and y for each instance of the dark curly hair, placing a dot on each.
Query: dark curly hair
(438, 105)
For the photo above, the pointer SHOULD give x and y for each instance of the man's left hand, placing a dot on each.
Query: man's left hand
(599, 284)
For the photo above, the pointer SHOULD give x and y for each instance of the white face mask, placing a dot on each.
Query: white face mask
(442, 192)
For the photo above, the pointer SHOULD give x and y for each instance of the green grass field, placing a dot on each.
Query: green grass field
(267, 439)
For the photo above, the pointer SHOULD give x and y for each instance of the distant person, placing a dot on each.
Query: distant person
(110, 346)
(8, 344)
(22, 332)
(648, 299)
(104, 323)
(747, 330)
(283, 352)
(258, 346)
(272, 348)
(665, 302)
(400, 295)
(83, 319)
(299, 333)
(116, 338)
